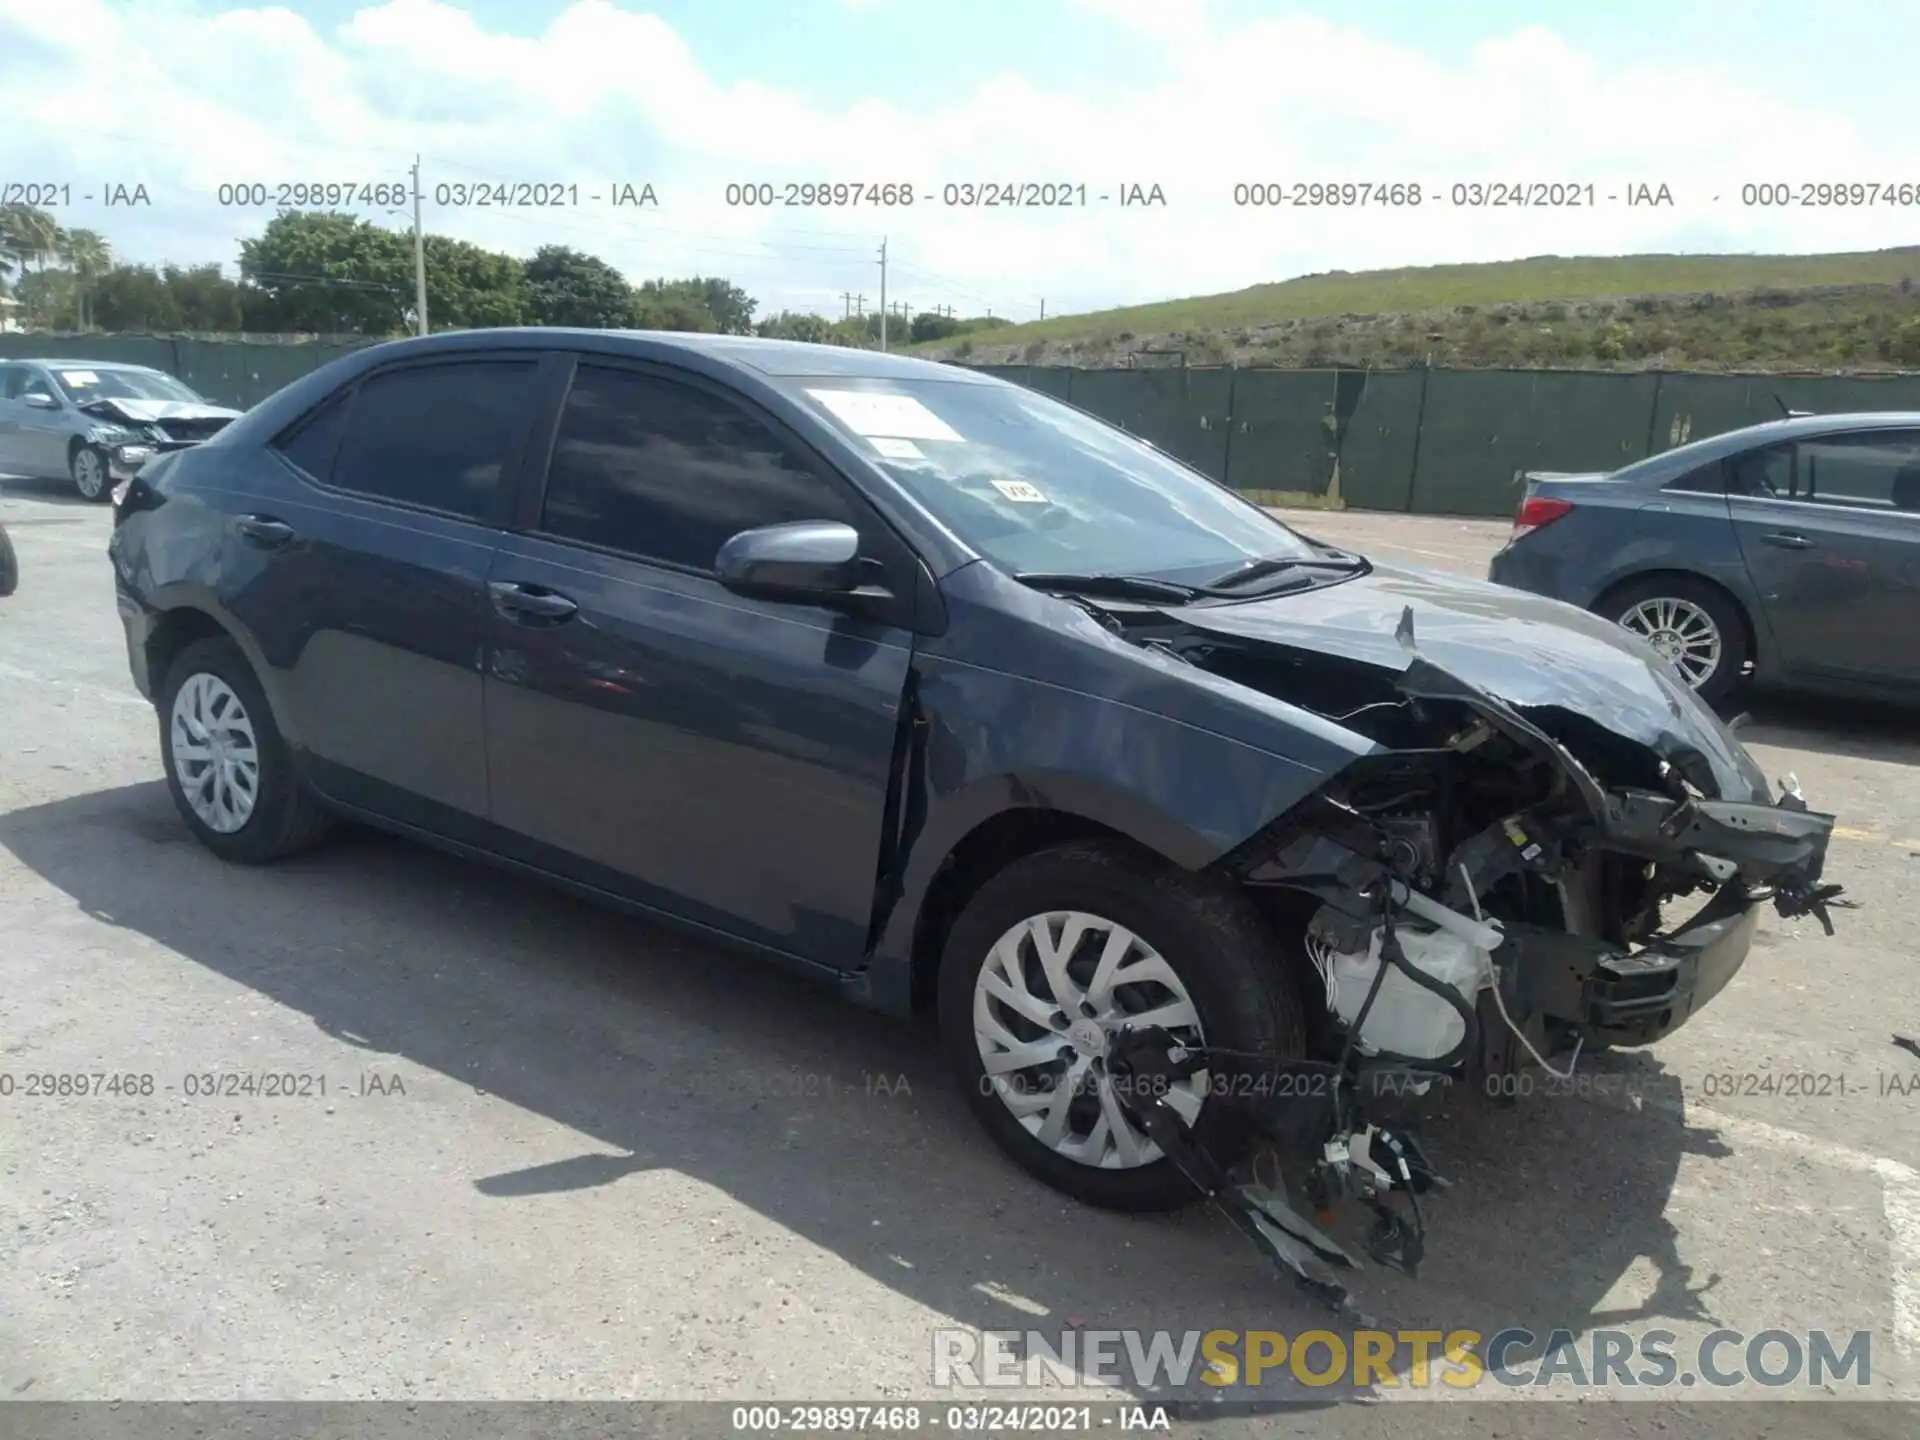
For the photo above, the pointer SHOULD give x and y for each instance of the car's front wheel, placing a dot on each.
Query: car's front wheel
(91, 478)
(1048, 961)
(228, 768)
(1694, 626)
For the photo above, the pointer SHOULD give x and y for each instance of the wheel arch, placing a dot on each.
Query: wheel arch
(1622, 583)
(983, 852)
(198, 617)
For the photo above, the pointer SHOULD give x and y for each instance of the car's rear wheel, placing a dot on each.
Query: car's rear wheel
(1693, 625)
(228, 768)
(1046, 963)
(88, 466)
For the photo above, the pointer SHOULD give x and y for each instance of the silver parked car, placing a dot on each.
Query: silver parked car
(94, 422)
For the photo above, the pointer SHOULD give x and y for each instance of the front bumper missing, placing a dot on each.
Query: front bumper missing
(1619, 995)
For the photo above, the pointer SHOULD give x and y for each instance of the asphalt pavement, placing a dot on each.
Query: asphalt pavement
(565, 1154)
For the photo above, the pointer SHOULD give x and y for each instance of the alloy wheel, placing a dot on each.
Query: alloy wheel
(216, 757)
(1054, 992)
(89, 473)
(1683, 634)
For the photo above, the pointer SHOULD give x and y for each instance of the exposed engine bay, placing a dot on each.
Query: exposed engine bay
(164, 424)
(1488, 890)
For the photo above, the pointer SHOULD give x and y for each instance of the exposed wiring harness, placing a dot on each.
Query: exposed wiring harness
(1500, 1004)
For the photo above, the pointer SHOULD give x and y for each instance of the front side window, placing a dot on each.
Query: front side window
(1871, 472)
(1035, 485)
(438, 436)
(31, 382)
(82, 384)
(665, 471)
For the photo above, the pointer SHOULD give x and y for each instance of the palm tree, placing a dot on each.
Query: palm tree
(90, 256)
(28, 233)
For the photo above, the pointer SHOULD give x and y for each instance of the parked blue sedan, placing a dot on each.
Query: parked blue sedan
(1790, 550)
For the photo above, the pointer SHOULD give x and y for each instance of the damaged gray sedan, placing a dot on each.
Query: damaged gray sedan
(1197, 834)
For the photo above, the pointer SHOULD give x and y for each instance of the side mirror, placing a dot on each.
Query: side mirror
(817, 560)
(39, 400)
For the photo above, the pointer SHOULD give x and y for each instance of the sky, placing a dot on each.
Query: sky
(1194, 97)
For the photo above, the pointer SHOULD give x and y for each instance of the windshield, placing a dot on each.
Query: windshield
(83, 385)
(1035, 485)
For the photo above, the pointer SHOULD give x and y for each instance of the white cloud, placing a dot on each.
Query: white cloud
(184, 102)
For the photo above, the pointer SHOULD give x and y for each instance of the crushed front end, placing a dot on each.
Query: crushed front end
(1496, 886)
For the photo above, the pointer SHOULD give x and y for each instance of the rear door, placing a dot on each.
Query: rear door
(1829, 528)
(655, 735)
(370, 551)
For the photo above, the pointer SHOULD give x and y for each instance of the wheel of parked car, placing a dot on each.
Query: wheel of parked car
(1692, 624)
(89, 469)
(1058, 951)
(227, 767)
(9, 565)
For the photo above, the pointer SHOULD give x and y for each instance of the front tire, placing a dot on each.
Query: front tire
(88, 467)
(228, 769)
(1696, 626)
(1077, 940)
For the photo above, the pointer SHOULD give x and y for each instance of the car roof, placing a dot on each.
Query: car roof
(771, 358)
(1657, 469)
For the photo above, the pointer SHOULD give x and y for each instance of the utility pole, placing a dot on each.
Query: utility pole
(847, 296)
(883, 294)
(1043, 307)
(419, 253)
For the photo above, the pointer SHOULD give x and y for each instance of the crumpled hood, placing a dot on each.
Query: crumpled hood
(139, 412)
(1524, 649)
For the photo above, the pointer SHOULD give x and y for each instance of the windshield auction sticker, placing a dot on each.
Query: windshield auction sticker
(897, 417)
(896, 449)
(79, 377)
(1020, 491)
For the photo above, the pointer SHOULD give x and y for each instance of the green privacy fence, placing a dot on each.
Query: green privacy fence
(1437, 442)
(239, 373)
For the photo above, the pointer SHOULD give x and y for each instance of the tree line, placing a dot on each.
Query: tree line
(327, 273)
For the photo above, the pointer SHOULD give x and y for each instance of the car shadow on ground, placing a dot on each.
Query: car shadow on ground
(55, 492)
(1857, 729)
(675, 1054)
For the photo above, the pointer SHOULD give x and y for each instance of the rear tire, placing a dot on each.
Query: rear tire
(1215, 947)
(1670, 611)
(229, 771)
(9, 565)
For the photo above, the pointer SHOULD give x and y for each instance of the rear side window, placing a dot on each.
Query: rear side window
(436, 436)
(311, 443)
(661, 470)
(1765, 474)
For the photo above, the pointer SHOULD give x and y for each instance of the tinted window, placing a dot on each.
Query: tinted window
(436, 435)
(1707, 480)
(1763, 473)
(12, 377)
(655, 468)
(311, 443)
(31, 382)
(1861, 471)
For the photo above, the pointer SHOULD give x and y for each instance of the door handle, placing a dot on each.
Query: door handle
(1787, 540)
(264, 531)
(527, 605)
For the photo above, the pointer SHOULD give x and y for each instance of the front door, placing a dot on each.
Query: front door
(1831, 538)
(651, 733)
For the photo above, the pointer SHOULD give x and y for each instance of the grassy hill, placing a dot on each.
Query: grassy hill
(1851, 311)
